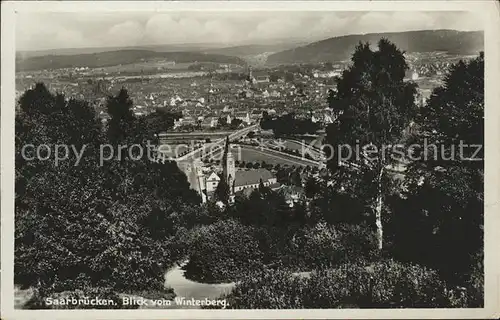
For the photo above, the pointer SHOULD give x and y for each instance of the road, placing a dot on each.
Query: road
(281, 155)
(209, 148)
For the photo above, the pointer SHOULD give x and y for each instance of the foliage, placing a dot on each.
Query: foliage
(334, 206)
(87, 225)
(222, 191)
(475, 283)
(324, 246)
(288, 125)
(221, 252)
(120, 127)
(374, 105)
(312, 187)
(235, 123)
(385, 284)
(264, 208)
(444, 203)
(267, 289)
(161, 121)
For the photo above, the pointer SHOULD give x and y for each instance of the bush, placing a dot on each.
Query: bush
(475, 283)
(88, 225)
(221, 252)
(268, 289)
(326, 246)
(385, 284)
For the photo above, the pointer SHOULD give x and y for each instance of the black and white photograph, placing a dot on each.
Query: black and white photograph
(173, 158)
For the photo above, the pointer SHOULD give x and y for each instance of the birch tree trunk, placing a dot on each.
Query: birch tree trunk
(378, 210)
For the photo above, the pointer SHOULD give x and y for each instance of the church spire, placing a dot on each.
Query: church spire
(226, 151)
(228, 166)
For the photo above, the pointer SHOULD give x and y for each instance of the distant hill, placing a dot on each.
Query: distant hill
(341, 48)
(155, 47)
(112, 58)
(254, 49)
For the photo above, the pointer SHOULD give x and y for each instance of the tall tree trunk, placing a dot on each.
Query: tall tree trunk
(378, 210)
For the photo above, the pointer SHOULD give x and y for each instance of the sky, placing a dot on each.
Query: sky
(40, 31)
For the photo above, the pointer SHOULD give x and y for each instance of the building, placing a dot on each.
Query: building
(250, 79)
(210, 122)
(243, 179)
(195, 176)
(250, 179)
(244, 116)
(256, 115)
(237, 180)
(227, 116)
(212, 182)
(262, 79)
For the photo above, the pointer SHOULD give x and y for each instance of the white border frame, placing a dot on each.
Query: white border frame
(490, 12)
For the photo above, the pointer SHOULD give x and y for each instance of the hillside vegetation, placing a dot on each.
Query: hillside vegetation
(341, 48)
(111, 58)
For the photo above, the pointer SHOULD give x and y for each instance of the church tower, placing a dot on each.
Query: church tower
(228, 167)
(250, 80)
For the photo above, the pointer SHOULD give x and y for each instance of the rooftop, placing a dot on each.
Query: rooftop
(245, 177)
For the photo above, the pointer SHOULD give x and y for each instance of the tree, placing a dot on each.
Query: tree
(85, 226)
(312, 187)
(375, 105)
(235, 123)
(222, 121)
(273, 77)
(160, 121)
(282, 176)
(222, 192)
(263, 207)
(295, 178)
(121, 124)
(445, 183)
(261, 185)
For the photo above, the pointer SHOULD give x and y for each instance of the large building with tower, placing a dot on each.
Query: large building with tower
(238, 180)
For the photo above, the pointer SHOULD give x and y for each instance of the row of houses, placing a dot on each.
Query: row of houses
(214, 119)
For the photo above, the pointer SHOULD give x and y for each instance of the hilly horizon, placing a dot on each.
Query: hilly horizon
(341, 48)
(119, 57)
(215, 48)
(282, 52)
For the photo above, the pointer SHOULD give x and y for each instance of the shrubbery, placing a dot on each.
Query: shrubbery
(96, 226)
(221, 252)
(326, 246)
(268, 289)
(385, 284)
